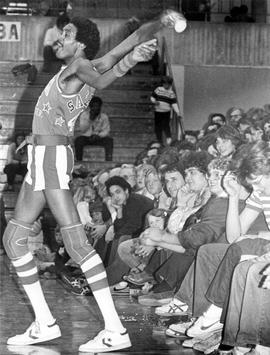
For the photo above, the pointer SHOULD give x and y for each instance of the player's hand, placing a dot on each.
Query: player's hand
(145, 51)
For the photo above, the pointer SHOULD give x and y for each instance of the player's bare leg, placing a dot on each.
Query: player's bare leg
(29, 205)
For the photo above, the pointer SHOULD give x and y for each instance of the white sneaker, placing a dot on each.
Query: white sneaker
(174, 308)
(107, 341)
(188, 343)
(203, 326)
(36, 333)
(179, 329)
(174, 19)
(241, 350)
(209, 344)
(262, 350)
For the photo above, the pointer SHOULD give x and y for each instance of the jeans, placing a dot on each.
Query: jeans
(106, 142)
(200, 276)
(248, 313)
(174, 269)
(116, 268)
(127, 255)
(218, 292)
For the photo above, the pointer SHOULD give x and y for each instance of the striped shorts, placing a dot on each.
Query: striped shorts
(49, 167)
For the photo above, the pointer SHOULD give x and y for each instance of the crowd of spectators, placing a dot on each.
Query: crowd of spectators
(188, 225)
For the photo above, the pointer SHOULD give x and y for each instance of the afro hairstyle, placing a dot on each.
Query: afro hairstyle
(88, 34)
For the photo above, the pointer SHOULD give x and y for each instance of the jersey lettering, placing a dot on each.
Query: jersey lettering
(70, 106)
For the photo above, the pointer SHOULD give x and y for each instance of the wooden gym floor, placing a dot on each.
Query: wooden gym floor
(79, 320)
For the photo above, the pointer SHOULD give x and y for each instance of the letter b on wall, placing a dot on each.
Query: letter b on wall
(10, 31)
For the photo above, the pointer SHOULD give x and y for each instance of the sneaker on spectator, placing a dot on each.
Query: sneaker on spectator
(260, 350)
(81, 290)
(107, 341)
(179, 329)
(189, 343)
(174, 308)
(209, 344)
(36, 333)
(140, 278)
(156, 299)
(203, 326)
(241, 350)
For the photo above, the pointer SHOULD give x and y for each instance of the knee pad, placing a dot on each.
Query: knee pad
(15, 238)
(76, 242)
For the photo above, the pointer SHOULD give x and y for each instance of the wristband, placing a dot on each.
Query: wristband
(123, 66)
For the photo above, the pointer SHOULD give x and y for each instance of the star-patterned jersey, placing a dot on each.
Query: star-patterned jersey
(56, 113)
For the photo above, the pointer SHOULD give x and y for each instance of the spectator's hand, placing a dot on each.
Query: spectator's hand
(145, 250)
(145, 51)
(98, 231)
(230, 184)
(184, 197)
(88, 226)
(109, 236)
(155, 234)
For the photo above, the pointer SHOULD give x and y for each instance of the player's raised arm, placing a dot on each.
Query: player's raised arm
(147, 31)
(84, 70)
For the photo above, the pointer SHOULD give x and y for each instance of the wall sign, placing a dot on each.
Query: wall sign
(10, 31)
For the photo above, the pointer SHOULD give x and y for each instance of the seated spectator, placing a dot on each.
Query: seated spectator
(131, 210)
(191, 136)
(128, 172)
(51, 63)
(189, 238)
(214, 121)
(94, 129)
(228, 139)
(208, 144)
(255, 113)
(141, 172)
(183, 147)
(132, 253)
(167, 156)
(233, 116)
(243, 124)
(154, 187)
(251, 164)
(254, 133)
(16, 161)
(247, 322)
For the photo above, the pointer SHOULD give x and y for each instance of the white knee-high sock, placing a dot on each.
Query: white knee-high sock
(27, 272)
(96, 276)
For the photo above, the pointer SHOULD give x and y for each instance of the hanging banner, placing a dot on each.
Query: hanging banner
(10, 31)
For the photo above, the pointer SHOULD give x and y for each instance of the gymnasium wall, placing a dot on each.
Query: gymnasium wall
(207, 89)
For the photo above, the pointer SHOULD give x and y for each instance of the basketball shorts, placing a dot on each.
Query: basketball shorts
(49, 167)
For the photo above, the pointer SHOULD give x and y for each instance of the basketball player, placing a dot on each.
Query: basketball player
(50, 163)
